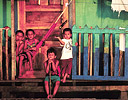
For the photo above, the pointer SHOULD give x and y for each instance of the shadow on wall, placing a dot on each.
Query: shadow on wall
(104, 10)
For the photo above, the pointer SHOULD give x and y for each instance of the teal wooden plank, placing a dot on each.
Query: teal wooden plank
(96, 55)
(106, 54)
(126, 56)
(116, 71)
(1, 12)
(100, 78)
(74, 38)
(74, 61)
(85, 59)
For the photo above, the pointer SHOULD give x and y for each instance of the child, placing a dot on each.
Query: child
(19, 43)
(66, 54)
(19, 47)
(52, 64)
(29, 49)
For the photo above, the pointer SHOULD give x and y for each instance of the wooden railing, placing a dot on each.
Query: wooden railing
(97, 55)
(7, 70)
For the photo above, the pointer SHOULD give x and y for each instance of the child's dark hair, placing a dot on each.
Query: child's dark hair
(67, 29)
(51, 50)
(29, 30)
(19, 31)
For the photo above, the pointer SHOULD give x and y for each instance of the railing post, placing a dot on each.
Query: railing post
(6, 48)
(1, 71)
(85, 61)
(126, 56)
(106, 54)
(96, 55)
(116, 71)
(74, 61)
(13, 53)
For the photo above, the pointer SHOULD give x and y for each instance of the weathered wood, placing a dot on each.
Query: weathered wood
(13, 53)
(106, 54)
(116, 69)
(96, 55)
(111, 54)
(55, 8)
(79, 54)
(21, 15)
(1, 71)
(6, 50)
(65, 15)
(85, 67)
(91, 48)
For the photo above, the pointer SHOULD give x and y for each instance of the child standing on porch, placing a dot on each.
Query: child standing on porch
(67, 56)
(51, 66)
(29, 49)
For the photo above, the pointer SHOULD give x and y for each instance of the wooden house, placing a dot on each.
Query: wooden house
(96, 59)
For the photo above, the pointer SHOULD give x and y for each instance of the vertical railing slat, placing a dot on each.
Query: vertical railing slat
(1, 72)
(96, 55)
(126, 56)
(79, 54)
(85, 61)
(116, 69)
(13, 53)
(74, 61)
(6, 48)
(106, 54)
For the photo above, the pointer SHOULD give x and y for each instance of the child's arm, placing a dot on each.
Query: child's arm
(20, 46)
(55, 65)
(62, 42)
(46, 67)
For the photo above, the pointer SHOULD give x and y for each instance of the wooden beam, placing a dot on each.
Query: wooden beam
(65, 15)
(55, 8)
(13, 53)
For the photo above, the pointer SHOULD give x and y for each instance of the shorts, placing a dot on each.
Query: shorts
(53, 78)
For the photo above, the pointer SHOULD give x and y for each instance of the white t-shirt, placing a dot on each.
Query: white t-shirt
(67, 49)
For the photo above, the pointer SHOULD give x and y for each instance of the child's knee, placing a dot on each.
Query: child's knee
(46, 82)
(57, 82)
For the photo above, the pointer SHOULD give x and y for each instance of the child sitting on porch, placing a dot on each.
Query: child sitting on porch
(51, 66)
(19, 47)
(29, 49)
(67, 56)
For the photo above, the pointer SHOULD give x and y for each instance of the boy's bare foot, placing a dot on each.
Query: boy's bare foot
(48, 96)
(68, 76)
(52, 96)
(31, 69)
(63, 80)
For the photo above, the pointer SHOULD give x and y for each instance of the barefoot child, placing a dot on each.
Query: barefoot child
(29, 48)
(52, 64)
(66, 57)
(19, 47)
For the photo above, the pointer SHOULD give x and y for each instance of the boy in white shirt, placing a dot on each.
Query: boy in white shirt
(67, 56)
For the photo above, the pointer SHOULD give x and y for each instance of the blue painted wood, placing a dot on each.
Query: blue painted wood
(126, 63)
(74, 60)
(85, 67)
(116, 69)
(96, 62)
(103, 78)
(85, 59)
(106, 54)
(106, 64)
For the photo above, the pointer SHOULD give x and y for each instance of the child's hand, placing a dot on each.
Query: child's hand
(76, 44)
(57, 37)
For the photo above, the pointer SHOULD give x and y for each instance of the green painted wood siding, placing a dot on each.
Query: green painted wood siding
(98, 12)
